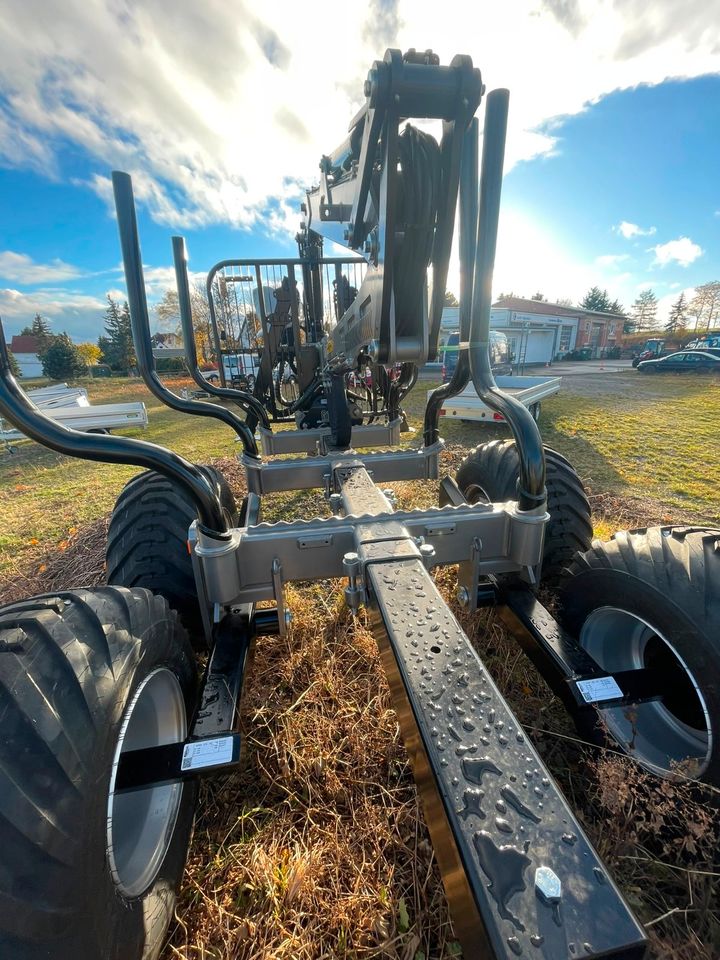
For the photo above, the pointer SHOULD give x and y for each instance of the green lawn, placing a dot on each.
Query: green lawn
(627, 435)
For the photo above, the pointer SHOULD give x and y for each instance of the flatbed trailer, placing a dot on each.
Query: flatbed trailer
(530, 391)
(87, 418)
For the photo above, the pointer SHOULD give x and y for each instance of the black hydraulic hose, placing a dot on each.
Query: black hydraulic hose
(19, 409)
(132, 262)
(245, 400)
(307, 396)
(468, 203)
(531, 487)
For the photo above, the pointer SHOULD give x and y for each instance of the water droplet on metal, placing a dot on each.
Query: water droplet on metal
(472, 798)
(505, 868)
(516, 803)
(599, 875)
(476, 768)
(514, 945)
(569, 838)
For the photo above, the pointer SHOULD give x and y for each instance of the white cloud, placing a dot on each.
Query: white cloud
(20, 268)
(79, 313)
(681, 251)
(630, 230)
(611, 259)
(217, 112)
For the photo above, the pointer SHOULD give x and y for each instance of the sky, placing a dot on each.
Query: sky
(221, 110)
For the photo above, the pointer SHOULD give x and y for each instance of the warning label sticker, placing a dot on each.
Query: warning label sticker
(207, 753)
(599, 688)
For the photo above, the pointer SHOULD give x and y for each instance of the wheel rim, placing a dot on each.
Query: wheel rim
(140, 823)
(662, 733)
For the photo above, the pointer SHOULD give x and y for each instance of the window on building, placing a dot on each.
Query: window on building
(611, 330)
(565, 335)
(588, 327)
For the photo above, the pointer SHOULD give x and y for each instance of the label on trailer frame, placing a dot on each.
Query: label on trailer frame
(599, 688)
(207, 753)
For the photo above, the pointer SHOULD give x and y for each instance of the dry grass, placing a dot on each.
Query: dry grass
(317, 848)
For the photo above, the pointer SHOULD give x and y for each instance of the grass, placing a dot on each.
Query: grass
(317, 847)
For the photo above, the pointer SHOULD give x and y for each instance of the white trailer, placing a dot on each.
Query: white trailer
(71, 407)
(530, 391)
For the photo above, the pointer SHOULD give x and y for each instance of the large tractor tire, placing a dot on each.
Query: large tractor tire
(84, 872)
(651, 598)
(490, 474)
(147, 540)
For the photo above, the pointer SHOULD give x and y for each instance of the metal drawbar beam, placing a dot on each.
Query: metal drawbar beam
(522, 879)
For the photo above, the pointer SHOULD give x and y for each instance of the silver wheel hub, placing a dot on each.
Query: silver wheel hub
(663, 733)
(140, 823)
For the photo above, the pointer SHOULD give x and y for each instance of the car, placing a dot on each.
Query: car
(686, 361)
(498, 349)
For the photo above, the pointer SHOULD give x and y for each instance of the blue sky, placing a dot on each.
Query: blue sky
(612, 150)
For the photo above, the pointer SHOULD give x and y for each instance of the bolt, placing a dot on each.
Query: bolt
(389, 495)
(335, 502)
(548, 885)
(288, 617)
(351, 564)
(463, 596)
(427, 553)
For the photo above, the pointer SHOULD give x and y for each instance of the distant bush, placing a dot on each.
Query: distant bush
(170, 365)
(62, 360)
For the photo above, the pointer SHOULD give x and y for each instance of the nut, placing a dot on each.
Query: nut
(548, 885)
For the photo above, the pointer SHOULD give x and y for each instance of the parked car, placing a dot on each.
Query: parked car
(687, 361)
(500, 359)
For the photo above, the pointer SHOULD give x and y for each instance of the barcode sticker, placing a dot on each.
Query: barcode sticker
(207, 753)
(599, 688)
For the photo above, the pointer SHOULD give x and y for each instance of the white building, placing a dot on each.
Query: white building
(25, 350)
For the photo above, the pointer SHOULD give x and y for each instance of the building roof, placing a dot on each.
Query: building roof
(24, 344)
(521, 305)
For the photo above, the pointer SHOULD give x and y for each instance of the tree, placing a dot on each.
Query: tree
(450, 299)
(564, 302)
(705, 305)
(116, 346)
(507, 296)
(596, 299)
(90, 352)
(678, 315)
(41, 331)
(644, 311)
(62, 360)
(14, 366)
(539, 297)
(168, 313)
(616, 307)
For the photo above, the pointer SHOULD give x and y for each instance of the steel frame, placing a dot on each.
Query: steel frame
(520, 874)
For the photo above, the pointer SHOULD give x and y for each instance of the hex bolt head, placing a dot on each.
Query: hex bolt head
(427, 553)
(351, 564)
(463, 597)
(547, 885)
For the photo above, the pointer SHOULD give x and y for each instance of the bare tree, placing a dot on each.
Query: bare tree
(705, 305)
